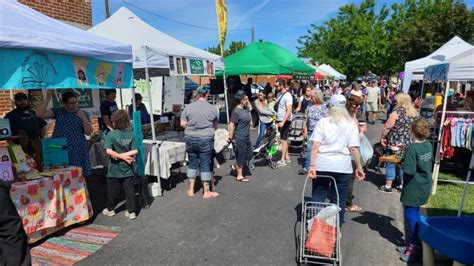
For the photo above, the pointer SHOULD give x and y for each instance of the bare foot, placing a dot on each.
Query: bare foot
(210, 195)
(190, 193)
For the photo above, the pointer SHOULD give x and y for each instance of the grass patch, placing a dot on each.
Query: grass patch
(447, 199)
(452, 176)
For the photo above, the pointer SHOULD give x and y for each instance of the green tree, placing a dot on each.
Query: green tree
(234, 46)
(362, 38)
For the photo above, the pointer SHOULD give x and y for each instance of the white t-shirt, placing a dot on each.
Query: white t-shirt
(286, 99)
(334, 154)
(372, 94)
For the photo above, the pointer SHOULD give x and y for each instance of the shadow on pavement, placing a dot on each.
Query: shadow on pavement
(383, 225)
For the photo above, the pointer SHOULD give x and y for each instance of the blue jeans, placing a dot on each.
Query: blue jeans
(412, 218)
(321, 187)
(391, 172)
(307, 156)
(199, 157)
(261, 132)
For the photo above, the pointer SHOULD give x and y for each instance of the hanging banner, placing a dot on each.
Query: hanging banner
(183, 66)
(436, 73)
(221, 11)
(87, 99)
(34, 69)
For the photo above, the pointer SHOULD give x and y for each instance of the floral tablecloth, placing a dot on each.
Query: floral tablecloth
(49, 204)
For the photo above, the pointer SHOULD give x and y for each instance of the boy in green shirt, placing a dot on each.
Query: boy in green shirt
(121, 148)
(417, 171)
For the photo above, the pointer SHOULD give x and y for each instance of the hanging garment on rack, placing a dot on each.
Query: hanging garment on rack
(457, 132)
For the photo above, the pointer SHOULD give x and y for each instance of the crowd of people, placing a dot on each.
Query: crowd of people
(335, 121)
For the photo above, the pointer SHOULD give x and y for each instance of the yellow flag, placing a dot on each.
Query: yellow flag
(221, 11)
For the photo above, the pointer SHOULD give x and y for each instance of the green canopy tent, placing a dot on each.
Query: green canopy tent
(265, 58)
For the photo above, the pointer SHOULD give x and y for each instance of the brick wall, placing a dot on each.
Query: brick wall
(75, 12)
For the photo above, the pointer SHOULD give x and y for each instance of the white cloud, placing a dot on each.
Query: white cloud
(239, 19)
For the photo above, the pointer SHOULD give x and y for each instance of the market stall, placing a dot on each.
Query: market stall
(157, 54)
(459, 68)
(414, 69)
(171, 150)
(39, 52)
(331, 72)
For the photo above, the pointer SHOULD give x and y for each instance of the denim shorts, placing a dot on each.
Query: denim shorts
(199, 157)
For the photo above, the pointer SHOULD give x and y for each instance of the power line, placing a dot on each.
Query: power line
(177, 21)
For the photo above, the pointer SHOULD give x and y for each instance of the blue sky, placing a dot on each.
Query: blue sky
(279, 21)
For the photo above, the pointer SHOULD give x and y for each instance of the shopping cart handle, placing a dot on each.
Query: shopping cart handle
(320, 176)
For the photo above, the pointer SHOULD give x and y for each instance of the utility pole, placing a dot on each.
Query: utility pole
(253, 34)
(107, 9)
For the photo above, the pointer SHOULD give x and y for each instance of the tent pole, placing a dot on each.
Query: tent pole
(121, 97)
(134, 104)
(466, 185)
(438, 147)
(225, 98)
(422, 88)
(150, 104)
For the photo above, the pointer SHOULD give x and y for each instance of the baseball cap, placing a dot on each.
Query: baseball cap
(202, 90)
(337, 100)
(20, 96)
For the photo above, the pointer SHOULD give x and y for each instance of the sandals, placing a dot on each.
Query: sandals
(243, 180)
(354, 208)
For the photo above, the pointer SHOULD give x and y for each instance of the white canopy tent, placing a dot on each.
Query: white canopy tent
(151, 47)
(458, 68)
(22, 27)
(330, 71)
(451, 49)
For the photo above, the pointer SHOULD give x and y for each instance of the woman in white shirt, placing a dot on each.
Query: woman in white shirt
(335, 138)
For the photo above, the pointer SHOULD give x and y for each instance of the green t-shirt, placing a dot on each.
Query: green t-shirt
(417, 169)
(120, 141)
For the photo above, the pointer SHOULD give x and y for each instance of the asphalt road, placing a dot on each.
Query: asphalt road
(249, 223)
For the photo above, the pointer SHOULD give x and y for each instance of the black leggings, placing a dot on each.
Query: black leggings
(114, 188)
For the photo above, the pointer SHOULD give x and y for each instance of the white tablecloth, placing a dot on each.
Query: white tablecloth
(171, 149)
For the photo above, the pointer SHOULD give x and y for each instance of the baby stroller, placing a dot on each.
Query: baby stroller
(296, 143)
(267, 149)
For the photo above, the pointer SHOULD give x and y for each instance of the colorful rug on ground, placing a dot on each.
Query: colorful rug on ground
(75, 245)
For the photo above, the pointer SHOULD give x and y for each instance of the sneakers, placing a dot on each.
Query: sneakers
(106, 212)
(288, 161)
(130, 216)
(402, 249)
(412, 254)
(281, 163)
(398, 188)
(385, 189)
(303, 172)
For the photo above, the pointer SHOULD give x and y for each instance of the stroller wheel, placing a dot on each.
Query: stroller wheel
(251, 165)
(272, 164)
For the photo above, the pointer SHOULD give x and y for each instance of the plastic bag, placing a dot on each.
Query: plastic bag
(366, 150)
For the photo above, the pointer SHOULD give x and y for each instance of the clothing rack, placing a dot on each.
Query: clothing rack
(438, 159)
